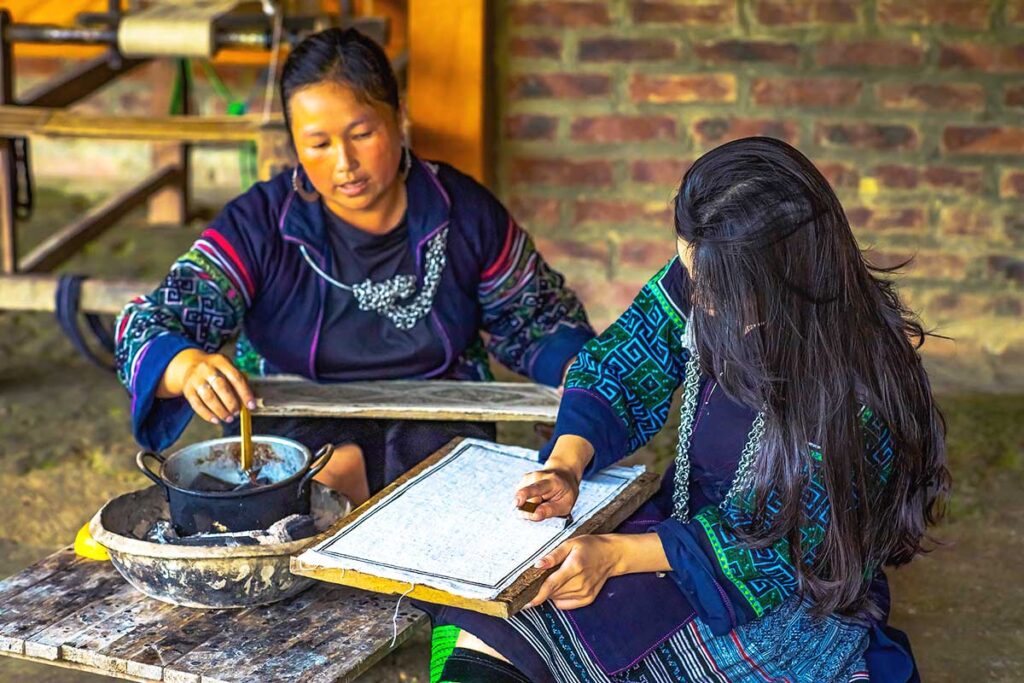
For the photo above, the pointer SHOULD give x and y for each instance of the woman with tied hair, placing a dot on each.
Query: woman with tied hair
(810, 454)
(363, 262)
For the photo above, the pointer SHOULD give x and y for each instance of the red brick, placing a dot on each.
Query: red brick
(561, 172)
(964, 180)
(876, 136)
(797, 12)
(874, 53)
(536, 48)
(560, 14)
(1013, 224)
(739, 51)
(1004, 306)
(601, 211)
(1011, 184)
(888, 259)
(619, 128)
(531, 127)
(885, 218)
(648, 254)
(983, 57)
(1013, 96)
(560, 86)
(684, 12)
(983, 140)
(896, 177)
(625, 50)
(1015, 12)
(718, 130)
(937, 266)
(681, 89)
(838, 174)
(1006, 267)
(961, 13)
(805, 92)
(605, 301)
(530, 211)
(931, 96)
(561, 251)
(659, 171)
(957, 220)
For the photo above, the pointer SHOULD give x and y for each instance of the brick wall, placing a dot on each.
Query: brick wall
(914, 110)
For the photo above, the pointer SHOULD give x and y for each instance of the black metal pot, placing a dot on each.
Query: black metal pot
(285, 464)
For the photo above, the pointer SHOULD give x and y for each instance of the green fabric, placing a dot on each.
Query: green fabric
(442, 642)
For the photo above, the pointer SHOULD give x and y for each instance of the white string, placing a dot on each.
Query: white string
(339, 285)
(394, 618)
(268, 94)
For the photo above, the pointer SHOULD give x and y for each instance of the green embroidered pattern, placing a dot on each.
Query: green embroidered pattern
(637, 364)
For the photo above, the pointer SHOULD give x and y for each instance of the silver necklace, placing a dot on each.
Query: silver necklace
(687, 416)
(383, 297)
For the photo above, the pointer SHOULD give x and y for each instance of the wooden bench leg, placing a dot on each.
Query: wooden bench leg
(8, 238)
(172, 205)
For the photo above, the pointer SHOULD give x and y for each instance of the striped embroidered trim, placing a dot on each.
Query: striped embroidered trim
(662, 295)
(218, 249)
(724, 564)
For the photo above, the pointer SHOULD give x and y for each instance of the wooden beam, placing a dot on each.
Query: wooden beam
(61, 246)
(8, 174)
(18, 121)
(38, 293)
(172, 205)
(78, 83)
(447, 79)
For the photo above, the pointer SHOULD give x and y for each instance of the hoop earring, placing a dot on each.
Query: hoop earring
(300, 190)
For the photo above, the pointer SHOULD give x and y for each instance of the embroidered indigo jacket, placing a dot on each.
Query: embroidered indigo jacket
(245, 278)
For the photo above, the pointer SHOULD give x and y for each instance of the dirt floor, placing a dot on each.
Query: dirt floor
(65, 448)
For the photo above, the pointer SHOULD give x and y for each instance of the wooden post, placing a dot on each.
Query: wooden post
(8, 175)
(447, 78)
(172, 204)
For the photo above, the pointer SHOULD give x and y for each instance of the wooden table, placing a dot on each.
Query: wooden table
(81, 614)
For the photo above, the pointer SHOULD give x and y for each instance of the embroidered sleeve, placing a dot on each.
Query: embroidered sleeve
(760, 579)
(200, 304)
(536, 323)
(618, 393)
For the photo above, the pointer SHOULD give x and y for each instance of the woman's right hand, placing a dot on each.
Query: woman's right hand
(210, 382)
(556, 489)
(557, 486)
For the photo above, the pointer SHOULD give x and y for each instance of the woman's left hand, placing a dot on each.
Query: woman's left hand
(586, 563)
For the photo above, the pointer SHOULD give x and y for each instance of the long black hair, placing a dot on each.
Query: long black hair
(342, 56)
(794, 321)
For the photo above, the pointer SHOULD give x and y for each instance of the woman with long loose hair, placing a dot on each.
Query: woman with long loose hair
(810, 455)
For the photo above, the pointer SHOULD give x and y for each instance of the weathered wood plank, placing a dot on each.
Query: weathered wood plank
(408, 399)
(177, 632)
(50, 601)
(42, 570)
(62, 245)
(38, 293)
(359, 626)
(16, 121)
(97, 647)
(47, 642)
(247, 636)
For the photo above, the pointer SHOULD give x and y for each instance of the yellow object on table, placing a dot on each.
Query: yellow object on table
(87, 547)
(246, 434)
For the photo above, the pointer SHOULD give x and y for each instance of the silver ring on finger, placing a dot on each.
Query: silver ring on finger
(203, 388)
